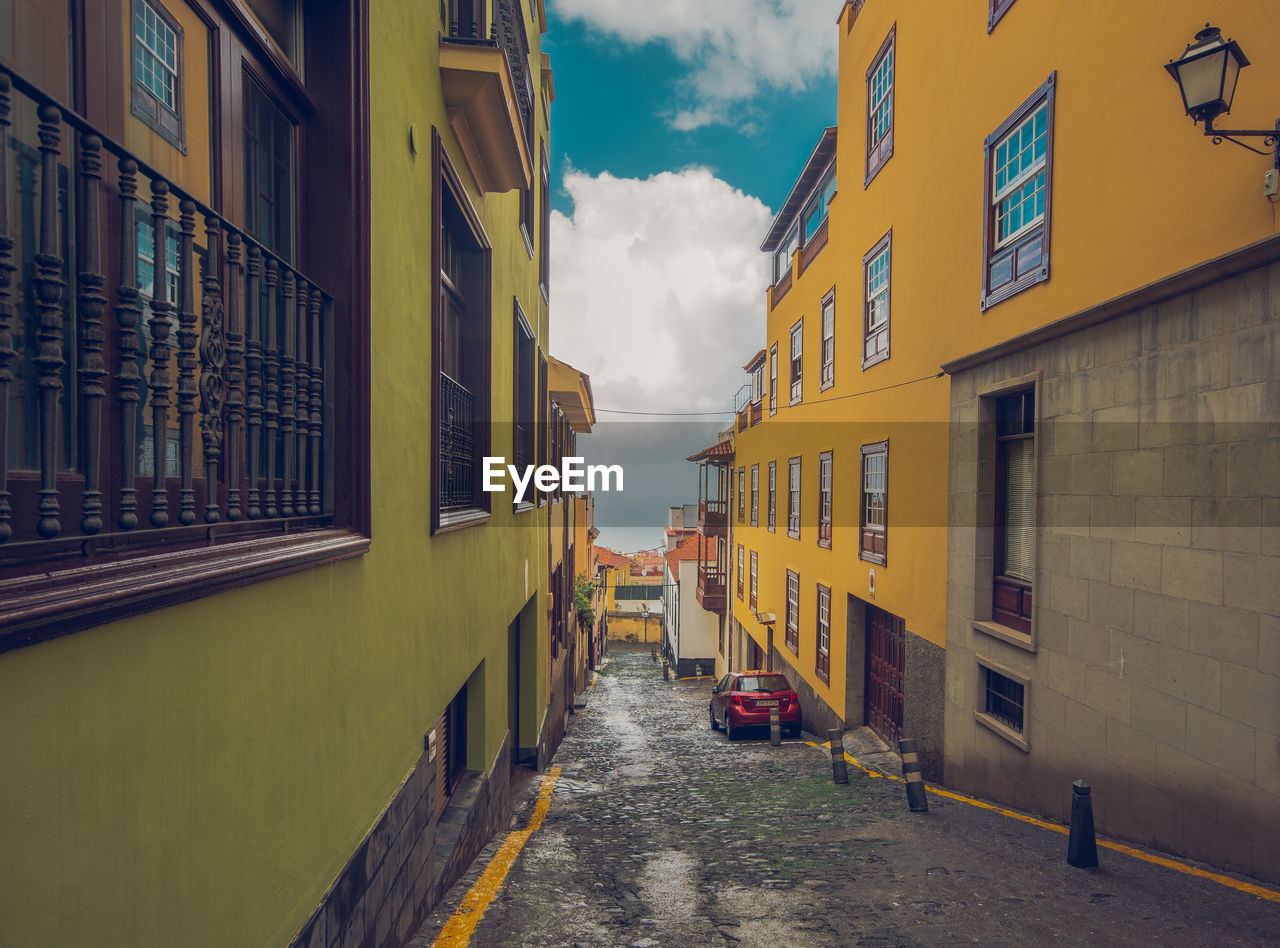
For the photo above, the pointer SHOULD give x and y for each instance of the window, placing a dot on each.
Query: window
(828, 341)
(523, 411)
(773, 495)
(875, 318)
(773, 379)
(741, 568)
(824, 499)
(755, 579)
(755, 495)
(757, 384)
(815, 212)
(544, 228)
(797, 361)
(157, 71)
(793, 612)
(269, 170)
(995, 10)
(1019, 178)
(461, 329)
(880, 107)
(793, 498)
(1014, 510)
(742, 494)
(1002, 702)
(875, 501)
(785, 253)
(822, 660)
(217, 435)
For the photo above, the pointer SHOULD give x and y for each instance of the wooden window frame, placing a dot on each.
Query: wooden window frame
(822, 653)
(755, 495)
(755, 578)
(741, 569)
(773, 379)
(793, 612)
(796, 362)
(144, 105)
(882, 246)
(742, 495)
(83, 578)
(772, 521)
(1035, 238)
(449, 182)
(795, 499)
(825, 498)
(880, 150)
(996, 9)
(1010, 590)
(869, 534)
(827, 345)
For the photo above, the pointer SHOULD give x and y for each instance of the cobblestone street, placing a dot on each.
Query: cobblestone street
(663, 832)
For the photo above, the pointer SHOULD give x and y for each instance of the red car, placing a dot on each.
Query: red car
(744, 699)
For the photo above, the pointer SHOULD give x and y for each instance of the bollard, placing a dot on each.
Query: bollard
(775, 728)
(1082, 848)
(666, 671)
(839, 769)
(653, 652)
(916, 799)
(697, 671)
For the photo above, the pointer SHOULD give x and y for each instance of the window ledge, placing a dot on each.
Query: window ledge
(994, 629)
(523, 507)
(878, 558)
(39, 608)
(824, 544)
(1016, 738)
(452, 520)
(868, 363)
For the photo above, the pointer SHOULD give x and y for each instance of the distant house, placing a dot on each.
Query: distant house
(688, 633)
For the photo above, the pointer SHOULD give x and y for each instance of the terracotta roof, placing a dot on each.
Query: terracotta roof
(687, 549)
(720, 451)
(607, 557)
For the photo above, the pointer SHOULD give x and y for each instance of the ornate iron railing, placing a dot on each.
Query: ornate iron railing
(457, 445)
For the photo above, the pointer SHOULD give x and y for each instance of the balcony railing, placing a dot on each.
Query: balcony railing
(713, 516)
(188, 387)
(814, 245)
(781, 287)
(457, 445)
(711, 587)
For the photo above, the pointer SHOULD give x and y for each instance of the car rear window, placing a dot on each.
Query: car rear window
(763, 683)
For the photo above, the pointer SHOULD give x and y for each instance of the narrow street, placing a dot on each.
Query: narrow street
(662, 832)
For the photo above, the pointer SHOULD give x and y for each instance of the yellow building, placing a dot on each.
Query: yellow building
(1032, 424)
(270, 652)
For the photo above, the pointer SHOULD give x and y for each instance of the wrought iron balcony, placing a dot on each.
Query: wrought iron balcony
(457, 445)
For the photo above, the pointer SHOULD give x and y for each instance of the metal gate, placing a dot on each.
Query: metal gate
(885, 667)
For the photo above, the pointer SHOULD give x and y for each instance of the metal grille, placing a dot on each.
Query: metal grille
(457, 445)
(1004, 699)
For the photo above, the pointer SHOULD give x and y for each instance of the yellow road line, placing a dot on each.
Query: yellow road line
(695, 677)
(462, 923)
(1270, 895)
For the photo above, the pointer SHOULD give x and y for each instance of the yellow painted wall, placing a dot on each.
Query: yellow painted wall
(1121, 140)
(199, 775)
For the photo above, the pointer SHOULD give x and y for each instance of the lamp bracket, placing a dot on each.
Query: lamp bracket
(1270, 137)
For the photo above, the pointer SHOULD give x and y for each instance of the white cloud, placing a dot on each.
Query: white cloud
(657, 288)
(734, 48)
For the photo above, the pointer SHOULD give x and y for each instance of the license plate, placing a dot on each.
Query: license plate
(767, 704)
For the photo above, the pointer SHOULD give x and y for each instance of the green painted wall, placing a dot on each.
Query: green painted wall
(199, 775)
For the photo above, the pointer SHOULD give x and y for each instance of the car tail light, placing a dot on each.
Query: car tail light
(737, 699)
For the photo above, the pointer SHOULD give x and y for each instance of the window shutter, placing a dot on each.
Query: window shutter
(1020, 510)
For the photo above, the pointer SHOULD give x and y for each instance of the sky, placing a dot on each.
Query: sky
(678, 129)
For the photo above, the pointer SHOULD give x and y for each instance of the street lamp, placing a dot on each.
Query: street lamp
(1206, 74)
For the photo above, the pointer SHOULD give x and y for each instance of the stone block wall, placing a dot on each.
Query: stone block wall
(1153, 665)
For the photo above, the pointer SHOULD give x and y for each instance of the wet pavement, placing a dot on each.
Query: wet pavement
(663, 832)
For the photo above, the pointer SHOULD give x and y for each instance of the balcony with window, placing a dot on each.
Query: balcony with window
(488, 91)
(166, 385)
(800, 231)
(714, 469)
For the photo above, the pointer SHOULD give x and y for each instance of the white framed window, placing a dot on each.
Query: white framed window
(876, 270)
(773, 378)
(797, 361)
(880, 106)
(157, 70)
(828, 340)
(1018, 177)
(785, 253)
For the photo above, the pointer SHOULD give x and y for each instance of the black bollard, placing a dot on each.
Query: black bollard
(775, 728)
(916, 799)
(1082, 848)
(654, 652)
(839, 769)
(666, 671)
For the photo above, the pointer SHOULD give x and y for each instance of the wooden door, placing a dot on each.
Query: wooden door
(885, 668)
